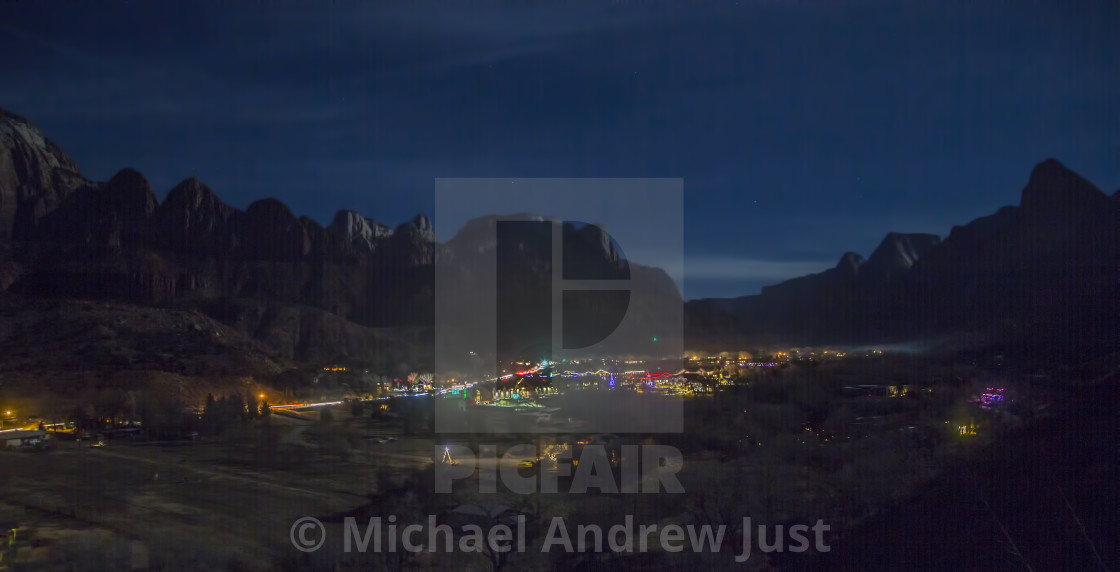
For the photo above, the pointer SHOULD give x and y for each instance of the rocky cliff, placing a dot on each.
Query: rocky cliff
(1046, 269)
(356, 289)
(310, 292)
(35, 175)
(353, 290)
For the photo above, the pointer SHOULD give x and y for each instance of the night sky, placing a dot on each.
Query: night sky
(801, 129)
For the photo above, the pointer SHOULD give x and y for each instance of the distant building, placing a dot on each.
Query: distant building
(17, 438)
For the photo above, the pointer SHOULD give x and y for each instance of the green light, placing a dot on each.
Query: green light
(655, 339)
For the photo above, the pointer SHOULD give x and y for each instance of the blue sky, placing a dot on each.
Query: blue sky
(801, 129)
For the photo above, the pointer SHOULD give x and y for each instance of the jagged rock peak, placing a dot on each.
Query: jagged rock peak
(424, 225)
(8, 115)
(192, 194)
(270, 208)
(193, 219)
(132, 194)
(358, 231)
(129, 180)
(420, 227)
(117, 213)
(272, 232)
(1052, 185)
(850, 263)
(985, 225)
(474, 230)
(35, 175)
(18, 131)
(902, 251)
(412, 243)
(593, 236)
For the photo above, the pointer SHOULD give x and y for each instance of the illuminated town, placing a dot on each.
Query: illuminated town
(580, 286)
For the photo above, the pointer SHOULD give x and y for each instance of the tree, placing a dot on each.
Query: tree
(237, 406)
(212, 416)
(252, 408)
(220, 413)
(160, 413)
(265, 409)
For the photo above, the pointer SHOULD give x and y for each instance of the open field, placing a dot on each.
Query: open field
(201, 505)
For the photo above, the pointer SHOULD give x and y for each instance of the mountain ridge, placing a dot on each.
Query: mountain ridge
(1052, 261)
(281, 278)
(1049, 262)
(350, 290)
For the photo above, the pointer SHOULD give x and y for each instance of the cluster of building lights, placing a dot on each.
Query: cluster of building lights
(992, 395)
